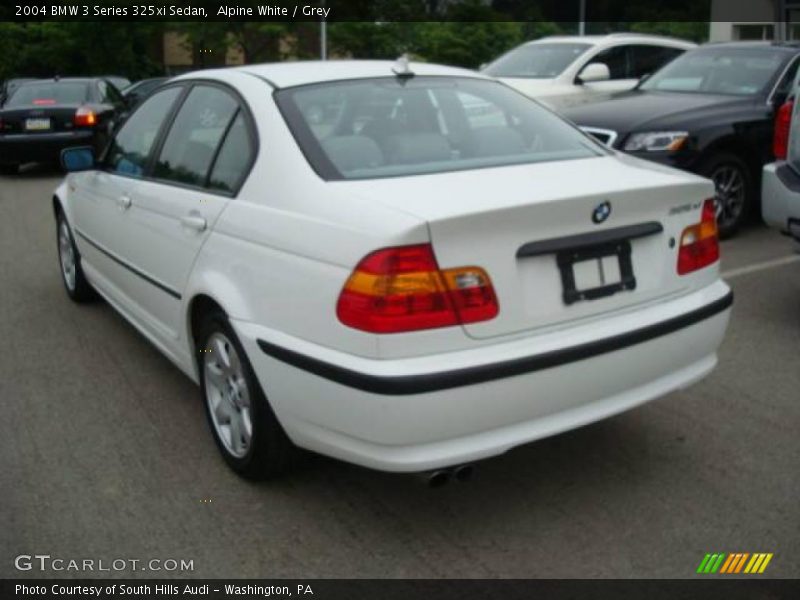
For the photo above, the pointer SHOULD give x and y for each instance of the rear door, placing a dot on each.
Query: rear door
(199, 165)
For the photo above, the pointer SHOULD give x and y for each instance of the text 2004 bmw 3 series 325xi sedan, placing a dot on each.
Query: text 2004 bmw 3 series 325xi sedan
(408, 267)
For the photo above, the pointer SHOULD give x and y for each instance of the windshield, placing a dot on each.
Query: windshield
(536, 61)
(49, 93)
(388, 127)
(732, 71)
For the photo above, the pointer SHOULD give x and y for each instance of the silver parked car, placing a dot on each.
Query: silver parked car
(780, 184)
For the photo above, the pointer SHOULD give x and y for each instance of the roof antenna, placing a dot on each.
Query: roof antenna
(401, 68)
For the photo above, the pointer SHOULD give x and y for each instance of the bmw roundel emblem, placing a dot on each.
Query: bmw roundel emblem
(601, 212)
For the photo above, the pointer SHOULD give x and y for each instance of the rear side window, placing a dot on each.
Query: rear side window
(131, 147)
(646, 60)
(784, 86)
(233, 159)
(386, 127)
(191, 144)
(108, 93)
(49, 93)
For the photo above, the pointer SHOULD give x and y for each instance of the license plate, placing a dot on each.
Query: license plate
(37, 124)
(596, 272)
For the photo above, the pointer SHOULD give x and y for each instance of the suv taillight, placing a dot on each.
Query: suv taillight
(780, 137)
(402, 289)
(85, 117)
(699, 244)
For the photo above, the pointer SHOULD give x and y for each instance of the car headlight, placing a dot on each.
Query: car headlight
(656, 141)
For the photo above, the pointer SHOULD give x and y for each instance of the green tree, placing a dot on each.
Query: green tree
(46, 49)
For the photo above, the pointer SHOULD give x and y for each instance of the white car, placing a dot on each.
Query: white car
(346, 261)
(568, 70)
(780, 181)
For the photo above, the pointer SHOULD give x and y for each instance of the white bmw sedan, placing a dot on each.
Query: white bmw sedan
(348, 257)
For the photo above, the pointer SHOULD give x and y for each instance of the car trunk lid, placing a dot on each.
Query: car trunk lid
(562, 241)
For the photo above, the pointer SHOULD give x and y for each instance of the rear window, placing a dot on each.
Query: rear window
(49, 93)
(388, 127)
(720, 70)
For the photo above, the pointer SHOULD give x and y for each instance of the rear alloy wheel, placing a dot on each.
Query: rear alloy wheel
(732, 191)
(78, 288)
(244, 426)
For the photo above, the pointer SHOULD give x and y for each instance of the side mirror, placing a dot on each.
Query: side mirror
(78, 159)
(595, 71)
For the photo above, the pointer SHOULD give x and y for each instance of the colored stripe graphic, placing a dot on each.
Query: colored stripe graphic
(764, 564)
(717, 563)
(727, 564)
(740, 564)
(734, 563)
(703, 563)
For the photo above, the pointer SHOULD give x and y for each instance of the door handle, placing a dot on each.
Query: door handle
(194, 222)
(124, 202)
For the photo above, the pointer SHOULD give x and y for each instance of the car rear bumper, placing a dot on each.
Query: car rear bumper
(40, 147)
(446, 409)
(780, 198)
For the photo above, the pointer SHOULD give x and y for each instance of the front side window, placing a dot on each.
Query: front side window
(536, 61)
(617, 61)
(131, 147)
(192, 142)
(723, 70)
(386, 127)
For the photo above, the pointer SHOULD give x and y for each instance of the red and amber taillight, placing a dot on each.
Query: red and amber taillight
(699, 243)
(402, 289)
(85, 117)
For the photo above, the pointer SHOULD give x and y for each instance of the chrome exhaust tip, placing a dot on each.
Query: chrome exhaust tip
(463, 473)
(437, 479)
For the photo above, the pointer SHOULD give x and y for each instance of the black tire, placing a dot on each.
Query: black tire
(77, 286)
(269, 452)
(9, 169)
(735, 204)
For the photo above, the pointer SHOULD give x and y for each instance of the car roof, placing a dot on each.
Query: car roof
(294, 73)
(788, 47)
(612, 37)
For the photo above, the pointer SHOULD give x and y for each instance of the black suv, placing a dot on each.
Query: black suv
(710, 111)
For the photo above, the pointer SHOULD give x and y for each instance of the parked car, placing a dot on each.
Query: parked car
(43, 117)
(568, 70)
(780, 183)
(136, 92)
(409, 291)
(711, 112)
(9, 85)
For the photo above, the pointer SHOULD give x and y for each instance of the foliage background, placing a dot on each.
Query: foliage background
(466, 33)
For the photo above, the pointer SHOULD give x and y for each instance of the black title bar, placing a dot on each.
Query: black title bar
(607, 11)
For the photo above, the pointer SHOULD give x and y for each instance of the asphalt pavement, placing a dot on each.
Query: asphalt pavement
(105, 454)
